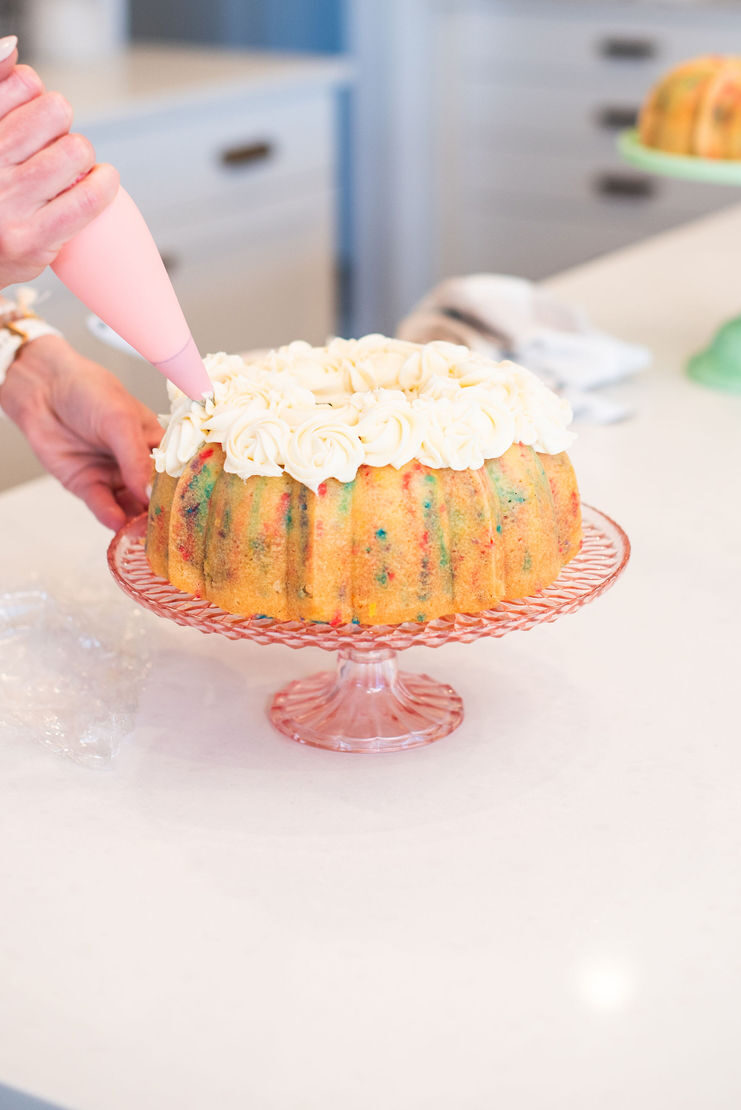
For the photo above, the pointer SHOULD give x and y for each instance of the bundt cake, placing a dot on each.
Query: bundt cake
(695, 109)
(373, 480)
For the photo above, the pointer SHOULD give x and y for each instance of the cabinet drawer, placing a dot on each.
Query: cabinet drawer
(525, 246)
(606, 185)
(519, 117)
(226, 154)
(537, 243)
(573, 44)
(262, 280)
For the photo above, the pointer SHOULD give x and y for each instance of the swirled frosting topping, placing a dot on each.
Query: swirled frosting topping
(321, 412)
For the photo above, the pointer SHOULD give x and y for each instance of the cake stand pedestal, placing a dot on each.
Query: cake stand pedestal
(719, 365)
(367, 704)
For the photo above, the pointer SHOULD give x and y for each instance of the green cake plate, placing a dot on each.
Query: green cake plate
(719, 365)
(714, 171)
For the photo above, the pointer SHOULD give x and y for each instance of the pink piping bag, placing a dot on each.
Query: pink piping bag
(113, 266)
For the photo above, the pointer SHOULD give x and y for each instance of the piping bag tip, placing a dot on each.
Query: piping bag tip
(187, 371)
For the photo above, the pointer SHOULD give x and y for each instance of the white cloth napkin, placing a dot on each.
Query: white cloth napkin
(509, 317)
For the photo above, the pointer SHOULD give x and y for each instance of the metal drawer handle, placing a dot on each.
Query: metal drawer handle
(614, 117)
(246, 154)
(627, 49)
(625, 186)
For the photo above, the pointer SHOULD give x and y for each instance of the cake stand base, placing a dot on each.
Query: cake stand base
(366, 705)
(719, 366)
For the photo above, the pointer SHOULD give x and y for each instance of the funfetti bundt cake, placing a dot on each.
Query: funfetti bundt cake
(372, 480)
(695, 109)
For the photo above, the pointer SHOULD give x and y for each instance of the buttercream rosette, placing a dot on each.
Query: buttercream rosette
(322, 412)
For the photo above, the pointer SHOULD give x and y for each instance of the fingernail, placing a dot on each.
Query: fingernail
(7, 46)
(148, 491)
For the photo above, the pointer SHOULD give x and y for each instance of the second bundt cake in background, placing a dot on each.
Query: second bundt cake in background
(695, 109)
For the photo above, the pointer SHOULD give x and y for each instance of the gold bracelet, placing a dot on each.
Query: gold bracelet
(16, 333)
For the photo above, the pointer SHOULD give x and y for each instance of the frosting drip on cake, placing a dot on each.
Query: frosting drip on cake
(321, 412)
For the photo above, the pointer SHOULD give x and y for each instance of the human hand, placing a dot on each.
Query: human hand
(83, 426)
(50, 187)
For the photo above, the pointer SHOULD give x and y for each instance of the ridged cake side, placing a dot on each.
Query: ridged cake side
(393, 545)
(695, 109)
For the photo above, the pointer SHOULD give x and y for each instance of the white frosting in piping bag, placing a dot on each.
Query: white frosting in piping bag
(321, 412)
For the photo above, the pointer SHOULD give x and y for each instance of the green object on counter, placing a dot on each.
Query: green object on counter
(719, 365)
(716, 171)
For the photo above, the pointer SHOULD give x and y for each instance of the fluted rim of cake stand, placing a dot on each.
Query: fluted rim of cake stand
(603, 556)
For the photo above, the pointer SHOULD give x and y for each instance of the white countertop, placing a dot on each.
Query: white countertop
(540, 911)
(144, 79)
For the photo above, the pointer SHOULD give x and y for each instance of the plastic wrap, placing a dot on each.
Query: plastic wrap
(71, 670)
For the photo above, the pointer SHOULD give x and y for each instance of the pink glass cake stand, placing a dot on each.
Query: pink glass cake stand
(367, 704)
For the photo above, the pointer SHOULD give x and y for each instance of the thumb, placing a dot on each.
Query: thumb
(8, 55)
